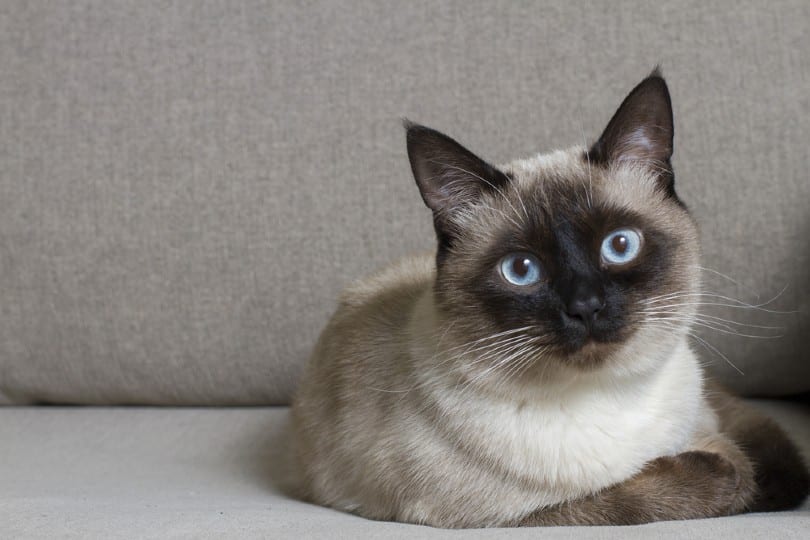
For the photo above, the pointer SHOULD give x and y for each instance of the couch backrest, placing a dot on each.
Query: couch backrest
(185, 187)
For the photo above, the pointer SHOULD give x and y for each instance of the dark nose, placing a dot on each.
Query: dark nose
(584, 306)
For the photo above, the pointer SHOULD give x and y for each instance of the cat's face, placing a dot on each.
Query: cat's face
(568, 256)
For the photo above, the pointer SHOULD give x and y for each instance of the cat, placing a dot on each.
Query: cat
(535, 369)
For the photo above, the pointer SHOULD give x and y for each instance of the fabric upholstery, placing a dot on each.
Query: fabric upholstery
(185, 187)
(214, 473)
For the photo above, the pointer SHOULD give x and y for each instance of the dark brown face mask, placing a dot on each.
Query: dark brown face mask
(573, 272)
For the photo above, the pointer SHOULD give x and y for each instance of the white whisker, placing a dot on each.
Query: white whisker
(717, 273)
(727, 301)
(703, 342)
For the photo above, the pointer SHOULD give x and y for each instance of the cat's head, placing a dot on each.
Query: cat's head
(568, 256)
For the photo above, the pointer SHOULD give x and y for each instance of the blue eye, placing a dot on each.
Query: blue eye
(521, 269)
(621, 246)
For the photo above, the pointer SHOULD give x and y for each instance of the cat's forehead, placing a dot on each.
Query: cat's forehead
(529, 171)
(567, 175)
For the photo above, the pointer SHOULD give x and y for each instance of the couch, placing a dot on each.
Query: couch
(185, 187)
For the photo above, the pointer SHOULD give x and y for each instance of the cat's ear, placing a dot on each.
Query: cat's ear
(641, 130)
(448, 175)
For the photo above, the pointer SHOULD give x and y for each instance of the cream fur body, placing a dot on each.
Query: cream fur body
(535, 370)
(399, 438)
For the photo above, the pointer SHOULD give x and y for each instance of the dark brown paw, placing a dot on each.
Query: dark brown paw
(709, 465)
(708, 479)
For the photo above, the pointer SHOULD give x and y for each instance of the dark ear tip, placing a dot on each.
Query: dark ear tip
(412, 128)
(655, 79)
(417, 134)
(654, 84)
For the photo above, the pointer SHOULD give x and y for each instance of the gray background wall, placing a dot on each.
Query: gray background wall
(185, 187)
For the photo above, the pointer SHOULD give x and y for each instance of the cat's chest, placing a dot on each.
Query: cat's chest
(584, 441)
(571, 443)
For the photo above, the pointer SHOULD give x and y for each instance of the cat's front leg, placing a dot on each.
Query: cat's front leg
(690, 485)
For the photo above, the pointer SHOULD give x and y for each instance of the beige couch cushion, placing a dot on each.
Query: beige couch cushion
(185, 187)
(213, 473)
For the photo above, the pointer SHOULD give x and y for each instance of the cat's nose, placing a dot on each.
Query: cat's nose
(584, 306)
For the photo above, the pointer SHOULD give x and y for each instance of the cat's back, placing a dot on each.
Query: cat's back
(398, 284)
(371, 315)
(362, 348)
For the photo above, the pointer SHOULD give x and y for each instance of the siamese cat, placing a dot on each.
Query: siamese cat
(536, 369)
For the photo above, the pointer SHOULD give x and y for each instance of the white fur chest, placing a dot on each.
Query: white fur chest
(595, 431)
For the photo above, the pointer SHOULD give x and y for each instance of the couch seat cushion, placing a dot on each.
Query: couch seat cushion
(213, 473)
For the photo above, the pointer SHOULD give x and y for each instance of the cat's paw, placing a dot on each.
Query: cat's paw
(708, 465)
(706, 477)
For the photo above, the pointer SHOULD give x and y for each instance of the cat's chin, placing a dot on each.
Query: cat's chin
(590, 355)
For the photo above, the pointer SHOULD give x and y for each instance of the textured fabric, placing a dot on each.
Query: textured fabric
(185, 187)
(214, 473)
